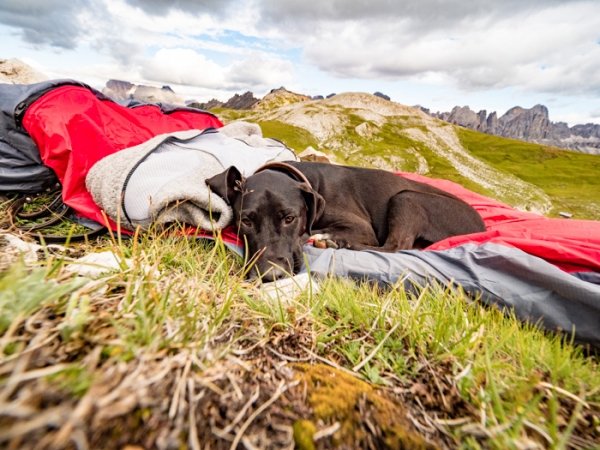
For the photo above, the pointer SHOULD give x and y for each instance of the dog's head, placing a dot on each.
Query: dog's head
(273, 211)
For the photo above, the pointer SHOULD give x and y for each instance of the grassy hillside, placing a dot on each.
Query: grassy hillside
(390, 149)
(571, 179)
(294, 137)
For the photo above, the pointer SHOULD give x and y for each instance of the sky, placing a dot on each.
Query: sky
(490, 55)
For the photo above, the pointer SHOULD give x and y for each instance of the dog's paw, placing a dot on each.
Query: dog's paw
(323, 240)
(325, 243)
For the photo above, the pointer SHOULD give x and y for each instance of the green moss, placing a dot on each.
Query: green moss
(337, 396)
(304, 430)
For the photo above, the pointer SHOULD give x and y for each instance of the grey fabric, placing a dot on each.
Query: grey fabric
(536, 290)
(169, 176)
(107, 178)
(21, 168)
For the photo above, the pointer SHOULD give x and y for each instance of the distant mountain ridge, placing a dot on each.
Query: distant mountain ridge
(275, 97)
(247, 100)
(119, 90)
(243, 101)
(531, 125)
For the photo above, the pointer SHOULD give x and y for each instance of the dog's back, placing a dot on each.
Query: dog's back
(368, 191)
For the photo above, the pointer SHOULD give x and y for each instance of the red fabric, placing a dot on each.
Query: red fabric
(571, 245)
(73, 129)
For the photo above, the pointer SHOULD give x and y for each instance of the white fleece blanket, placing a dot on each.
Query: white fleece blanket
(163, 180)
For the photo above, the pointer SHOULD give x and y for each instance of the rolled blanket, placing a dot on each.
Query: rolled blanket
(163, 179)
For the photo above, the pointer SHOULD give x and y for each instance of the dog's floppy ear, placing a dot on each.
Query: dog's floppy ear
(315, 204)
(227, 184)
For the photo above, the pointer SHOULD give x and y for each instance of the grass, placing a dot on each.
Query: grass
(294, 137)
(174, 344)
(398, 151)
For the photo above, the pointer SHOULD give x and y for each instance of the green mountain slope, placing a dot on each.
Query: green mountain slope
(365, 130)
(571, 179)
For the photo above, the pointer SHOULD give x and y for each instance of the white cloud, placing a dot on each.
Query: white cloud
(447, 49)
(260, 71)
(183, 66)
(484, 53)
(188, 67)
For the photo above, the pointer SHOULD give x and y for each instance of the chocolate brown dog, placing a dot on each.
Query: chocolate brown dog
(282, 204)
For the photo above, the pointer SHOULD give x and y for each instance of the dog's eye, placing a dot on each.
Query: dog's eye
(246, 222)
(288, 219)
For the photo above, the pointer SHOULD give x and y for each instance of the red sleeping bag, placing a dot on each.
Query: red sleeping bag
(73, 129)
(571, 245)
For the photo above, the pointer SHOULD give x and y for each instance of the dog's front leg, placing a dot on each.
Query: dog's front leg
(358, 235)
(406, 220)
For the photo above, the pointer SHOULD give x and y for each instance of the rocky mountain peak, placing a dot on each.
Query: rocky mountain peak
(524, 123)
(279, 97)
(244, 101)
(528, 124)
(14, 71)
(120, 91)
(382, 95)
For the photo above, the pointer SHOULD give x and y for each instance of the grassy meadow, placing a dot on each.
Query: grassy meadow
(173, 348)
(569, 178)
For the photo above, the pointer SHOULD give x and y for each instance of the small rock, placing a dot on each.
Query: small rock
(286, 289)
(95, 265)
(310, 154)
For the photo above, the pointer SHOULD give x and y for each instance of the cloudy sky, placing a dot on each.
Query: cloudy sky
(488, 54)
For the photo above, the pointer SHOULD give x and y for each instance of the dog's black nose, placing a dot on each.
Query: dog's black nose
(273, 274)
(274, 269)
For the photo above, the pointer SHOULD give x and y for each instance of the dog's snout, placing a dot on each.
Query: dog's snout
(274, 268)
(272, 274)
